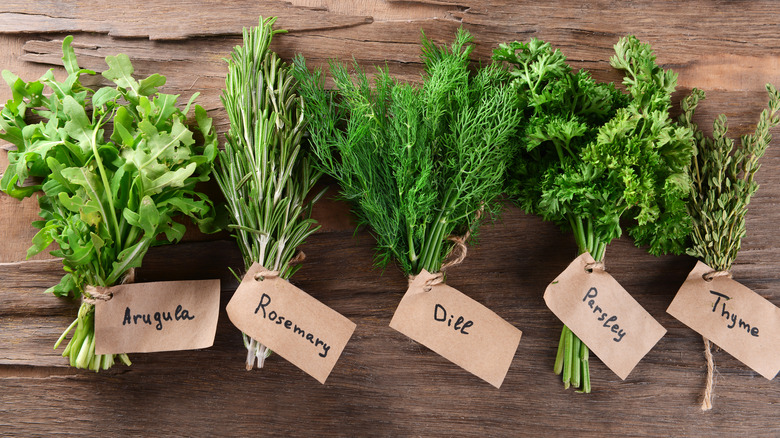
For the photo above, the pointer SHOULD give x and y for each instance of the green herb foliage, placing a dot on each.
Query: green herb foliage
(593, 155)
(263, 172)
(723, 181)
(417, 163)
(115, 165)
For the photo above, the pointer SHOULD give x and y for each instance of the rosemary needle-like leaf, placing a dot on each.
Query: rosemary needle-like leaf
(263, 172)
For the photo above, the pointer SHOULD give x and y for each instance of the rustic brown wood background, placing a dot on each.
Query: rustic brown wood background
(385, 384)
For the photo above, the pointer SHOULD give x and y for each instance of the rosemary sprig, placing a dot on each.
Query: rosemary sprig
(264, 174)
(417, 163)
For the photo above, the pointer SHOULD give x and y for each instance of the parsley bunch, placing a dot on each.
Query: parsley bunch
(417, 163)
(116, 166)
(593, 155)
(263, 172)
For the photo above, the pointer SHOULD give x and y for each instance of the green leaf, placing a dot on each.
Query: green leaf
(148, 217)
(78, 126)
(149, 86)
(65, 288)
(69, 56)
(204, 121)
(104, 95)
(128, 258)
(121, 72)
(171, 179)
(42, 239)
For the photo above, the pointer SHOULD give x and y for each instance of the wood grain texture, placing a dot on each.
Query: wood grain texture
(384, 384)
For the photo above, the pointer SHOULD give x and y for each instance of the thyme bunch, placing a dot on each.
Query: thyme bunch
(722, 180)
(263, 171)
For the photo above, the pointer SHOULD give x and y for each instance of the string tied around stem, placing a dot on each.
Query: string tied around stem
(709, 385)
(268, 273)
(598, 266)
(96, 294)
(456, 256)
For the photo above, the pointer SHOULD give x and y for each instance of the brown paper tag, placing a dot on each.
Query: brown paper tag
(603, 315)
(158, 316)
(457, 328)
(732, 316)
(290, 322)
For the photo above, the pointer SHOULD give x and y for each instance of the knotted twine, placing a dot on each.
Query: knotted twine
(706, 398)
(267, 273)
(96, 294)
(456, 257)
(596, 265)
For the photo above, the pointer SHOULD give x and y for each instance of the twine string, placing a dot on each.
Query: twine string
(706, 399)
(96, 294)
(596, 265)
(709, 276)
(456, 256)
(268, 273)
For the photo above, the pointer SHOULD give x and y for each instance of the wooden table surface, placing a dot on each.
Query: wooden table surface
(384, 383)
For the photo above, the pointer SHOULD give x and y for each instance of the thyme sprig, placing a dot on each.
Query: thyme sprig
(722, 179)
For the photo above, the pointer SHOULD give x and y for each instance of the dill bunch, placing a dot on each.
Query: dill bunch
(417, 163)
(263, 171)
(593, 155)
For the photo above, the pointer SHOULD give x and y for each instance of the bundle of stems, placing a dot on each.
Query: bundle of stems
(418, 163)
(593, 155)
(722, 179)
(107, 196)
(264, 173)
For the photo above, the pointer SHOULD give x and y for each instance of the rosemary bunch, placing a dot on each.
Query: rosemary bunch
(417, 163)
(263, 172)
(593, 155)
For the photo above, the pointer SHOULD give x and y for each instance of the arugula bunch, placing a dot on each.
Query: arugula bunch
(593, 155)
(263, 172)
(116, 166)
(722, 182)
(417, 163)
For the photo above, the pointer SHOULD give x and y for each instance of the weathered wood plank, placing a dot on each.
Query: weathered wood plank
(388, 385)
(385, 384)
(193, 19)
